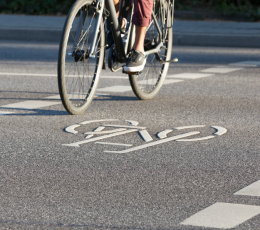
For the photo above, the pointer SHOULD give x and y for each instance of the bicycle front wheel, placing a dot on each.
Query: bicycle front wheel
(148, 84)
(78, 73)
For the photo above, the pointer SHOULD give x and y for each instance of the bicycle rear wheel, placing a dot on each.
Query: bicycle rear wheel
(78, 74)
(148, 84)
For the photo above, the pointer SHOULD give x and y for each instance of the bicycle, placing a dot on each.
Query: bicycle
(82, 51)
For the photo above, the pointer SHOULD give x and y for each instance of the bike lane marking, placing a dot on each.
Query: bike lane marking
(222, 215)
(154, 143)
(110, 143)
(189, 75)
(31, 104)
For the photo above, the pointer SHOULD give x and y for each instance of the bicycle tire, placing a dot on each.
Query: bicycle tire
(148, 84)
(78, 75)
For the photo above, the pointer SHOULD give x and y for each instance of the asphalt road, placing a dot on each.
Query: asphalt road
(212, 183)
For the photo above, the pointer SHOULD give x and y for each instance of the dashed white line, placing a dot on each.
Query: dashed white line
(32, 104)
(189, 75)
(220, 69)
(223, 216)
(250, 190)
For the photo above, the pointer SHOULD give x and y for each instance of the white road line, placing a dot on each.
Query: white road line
(163, 134)
(76, 144)
(223, 216)
(250, 190)
(116, 88)
(30, 104)
(247, 63)
(189, 75)
(197, 139)
(152, 81)
(109, 143)
(5, 112)
(220, 69)
(93, 121)
(154, 143)
(145, 135)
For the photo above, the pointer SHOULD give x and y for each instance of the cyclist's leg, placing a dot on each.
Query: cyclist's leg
(141, 19)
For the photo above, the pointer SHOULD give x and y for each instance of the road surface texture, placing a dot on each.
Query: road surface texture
(137, 180)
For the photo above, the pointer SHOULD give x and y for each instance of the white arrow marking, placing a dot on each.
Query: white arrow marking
(76, 144)
(70, 129)
(163, 134)
(134, 123)
(145, 135)
(220, 130)
(154, 143)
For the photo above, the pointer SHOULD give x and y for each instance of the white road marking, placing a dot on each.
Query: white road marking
(250, 190)
(125, 126)
(76, 144)
(70, 129)
(220, 69)
(197, 139)
(145, 135)
(189, 75)
(223, 215)
(163, 134)
(109, 143)
(170, 81)
(154, 143)
(32, 104)
(189, 127)
(5, 112)
(116, 88)
(134, 123)
(220, 130)
(247, 63)
(93, 121)
(105, 132)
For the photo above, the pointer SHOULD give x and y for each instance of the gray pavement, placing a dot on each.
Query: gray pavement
(199, 33)
(174, 185)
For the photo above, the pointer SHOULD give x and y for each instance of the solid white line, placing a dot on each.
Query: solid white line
(220, 69)
(32, 104)
(109, 143)
(189, 75)
(250, 190)
(76, 144)
(223, 215)
(145, 135)
(154, 143)
(58, 96)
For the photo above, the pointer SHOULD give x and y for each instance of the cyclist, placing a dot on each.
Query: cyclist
(141, 19)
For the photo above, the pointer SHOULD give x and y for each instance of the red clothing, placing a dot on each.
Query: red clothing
(142, 12)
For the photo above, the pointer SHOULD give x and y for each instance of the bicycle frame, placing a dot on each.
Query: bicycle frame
(121, 51)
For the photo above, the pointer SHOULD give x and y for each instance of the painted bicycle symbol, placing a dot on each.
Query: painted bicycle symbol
(101, 132)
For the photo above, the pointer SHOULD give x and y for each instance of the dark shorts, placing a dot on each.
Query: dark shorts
(142, 12)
